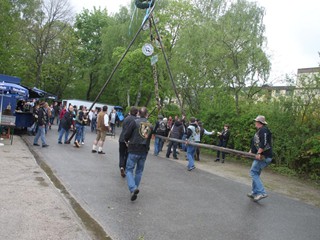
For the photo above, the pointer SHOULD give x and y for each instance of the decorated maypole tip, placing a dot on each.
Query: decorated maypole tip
(142, 4)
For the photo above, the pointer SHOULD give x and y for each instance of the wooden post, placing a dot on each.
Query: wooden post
(213, 147)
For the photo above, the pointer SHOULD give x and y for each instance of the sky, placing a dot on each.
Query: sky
(292, 32)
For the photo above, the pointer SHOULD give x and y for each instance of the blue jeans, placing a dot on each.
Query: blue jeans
(190, 154)
(255, 171)
(40, 133)
(113, 125)
(135, 160)
(157, 144)
(83, 133)
(93, 124)
(61, 132)
(79, 129)
(183, 146)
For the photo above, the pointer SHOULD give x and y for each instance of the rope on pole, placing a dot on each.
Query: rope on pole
(167, 63)
(120, 60)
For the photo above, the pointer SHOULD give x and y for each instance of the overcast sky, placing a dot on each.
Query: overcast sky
(292, 30)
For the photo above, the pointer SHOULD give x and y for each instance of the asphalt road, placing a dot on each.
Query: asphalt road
(173, 204)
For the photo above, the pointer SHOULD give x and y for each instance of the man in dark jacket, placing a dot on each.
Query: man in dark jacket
(261, 146)
(175, 132)
(79, 126)
(138, 136)
(159, 129)
(41, 121)
(223, 141)
(123, 149)
(65, 125)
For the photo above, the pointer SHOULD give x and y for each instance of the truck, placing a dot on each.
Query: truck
(87, 104)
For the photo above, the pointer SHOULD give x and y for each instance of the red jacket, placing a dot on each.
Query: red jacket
(63, 111)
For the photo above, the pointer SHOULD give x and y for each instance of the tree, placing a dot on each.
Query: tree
(221, 49)
(60, 70)
(89, 27)
(13, 48)
(244, 62)
(49, 20)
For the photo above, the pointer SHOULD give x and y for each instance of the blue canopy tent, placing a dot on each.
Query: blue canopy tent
(9, 79)
(38, 93)
(10, 93)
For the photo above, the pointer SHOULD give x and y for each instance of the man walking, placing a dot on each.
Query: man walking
(261, 146)
(159, 129)
(65, 125)
(79, 126)
(41, 122)
(102, 128)
(138, 136)
(175, 132)
(113, 120)
(193, 135)
(123, 149)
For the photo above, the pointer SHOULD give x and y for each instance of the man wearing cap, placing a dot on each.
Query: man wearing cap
(261, 146)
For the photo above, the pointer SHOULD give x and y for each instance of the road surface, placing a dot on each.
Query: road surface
(173, 204)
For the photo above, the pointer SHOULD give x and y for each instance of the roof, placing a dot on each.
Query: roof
(309, 70)
(9, 79)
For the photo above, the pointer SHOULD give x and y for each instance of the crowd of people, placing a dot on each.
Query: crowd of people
(137, 131)
(192, 131)
(134, 145)
(68, 118)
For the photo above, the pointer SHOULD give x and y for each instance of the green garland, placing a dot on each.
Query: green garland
(143, 4)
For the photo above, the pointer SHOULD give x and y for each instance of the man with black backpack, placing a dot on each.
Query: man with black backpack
(160, 129)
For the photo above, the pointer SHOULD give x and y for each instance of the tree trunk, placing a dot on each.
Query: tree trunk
(91, 79)
(139, 93)
(128, 98)
(149, 99)
(237, 102)
(156, 86)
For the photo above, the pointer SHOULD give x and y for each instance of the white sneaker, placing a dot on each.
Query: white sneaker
(251, 195)
(259, 197)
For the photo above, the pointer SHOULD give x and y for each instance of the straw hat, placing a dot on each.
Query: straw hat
(261, 119)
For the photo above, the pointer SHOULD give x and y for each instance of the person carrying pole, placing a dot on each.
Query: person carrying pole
(261, 146)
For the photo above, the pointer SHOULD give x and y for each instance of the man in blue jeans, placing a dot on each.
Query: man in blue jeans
(41, 122)
(193, 135)
(137, 135)
(261, 146)
(159, 129)
(79, 127)
(65, 125)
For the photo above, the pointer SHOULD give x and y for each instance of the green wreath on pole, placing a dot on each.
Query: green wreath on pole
(143, 4)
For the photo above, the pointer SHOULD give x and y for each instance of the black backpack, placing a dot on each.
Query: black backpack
(162, 128)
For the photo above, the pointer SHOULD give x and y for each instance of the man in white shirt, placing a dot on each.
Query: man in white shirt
(102, 128)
